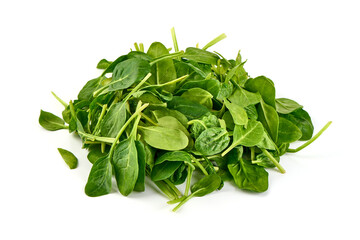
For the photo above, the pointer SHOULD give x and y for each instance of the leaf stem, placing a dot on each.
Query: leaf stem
(103, 111)
(167, 56)
(140, 109)
(173, 35)
(60, 100)
(200, 166)
(273, 160)
(311, 140)
(214, 41)
(184, 201)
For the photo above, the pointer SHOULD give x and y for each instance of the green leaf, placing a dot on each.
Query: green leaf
(51, 122)
(128, 72)
(303, 121)
(173, 123)
(200, 96)
(162, 112)
(212, 141)
(113, 120)
(99, 181)
(86, 93)
(69, 158)
(206, 185)
(244, 98)
(264, 86)
(95, 153)
(238, 113)
(211, 85)
(164, 138)
(269, 118)
(190, 109)
(111, 67)
(201, 56)
(163, 71)
(141, 153)
(286, 106)
(288, 132)
(225, 91)
(126, 167)
(164, 170)
(103, 64)
(246, 175)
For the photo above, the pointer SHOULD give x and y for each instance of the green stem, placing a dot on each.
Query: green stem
(60, 100)
(173, 187)
(214, 41)
(184, 201)
(167, 56)
(252, 151)
(103, 111)
(191, 169)
(196, 120)
(273, 160)
(137, 112)
(311, 140)
(165, 189)
(136, 46)
(173, 35)
(200, 166)
(234, 144)
(94, 138)
(148, 119)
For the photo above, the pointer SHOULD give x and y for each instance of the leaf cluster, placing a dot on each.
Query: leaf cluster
(187, 117)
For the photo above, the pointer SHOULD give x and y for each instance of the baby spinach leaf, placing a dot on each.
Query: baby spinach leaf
(51, 122)
(251, 112)
(164, 138)
(164, 170)
(126, 167)
(99, 181)
(206, 185)
(112, 65)
(244, 98)
(264, 86)
(69, 158)
(269, 118)
(228, 120)
(212, 141)
(225, 90)
(86, 93)
(128, 72)
(263, 160)
(103, 64)
(246, 175)
(238, 113)
(173, 123)
(163, 71)
(201, 56)
(200, 96)
(162, 112)
(174, 156)
(288, 132)
(95, 153)
(303, 121)
(211, 85)
(113, 120)
(286, 106)
(190, 109)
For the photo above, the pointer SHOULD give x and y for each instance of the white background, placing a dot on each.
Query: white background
(310, 49)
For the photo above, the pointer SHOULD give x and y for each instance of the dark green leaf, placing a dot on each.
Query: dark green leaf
(201, 56)
(303, 121)
(264, 86)
(141, 153)
(212, 141)
(190, 109)
(99, 181)
(113, 120)
(288, 132)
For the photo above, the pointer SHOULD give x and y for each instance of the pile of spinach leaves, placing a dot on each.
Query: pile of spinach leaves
(189, 117)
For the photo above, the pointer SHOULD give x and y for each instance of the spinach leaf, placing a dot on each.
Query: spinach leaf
(86, 93)
(126, 167)
(69, 158)
(190, 109)
(51, 122)
(103, 64)
(164, 138)
(201, 56)
(238, 113)
(99, 181)
(128, 72)
(264, 86)
(269, 118)
(288, 132)
(286, 106)
(113, 120)
(246, 175)
(211, 85)
(303, 121)
(212, 141)
(200, 96)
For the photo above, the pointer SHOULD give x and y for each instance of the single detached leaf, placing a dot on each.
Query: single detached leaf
(126, 167)
(69, 158)
(212, 141)
(286, 106)
(99, 181)
(164, 138)
(51, 122)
